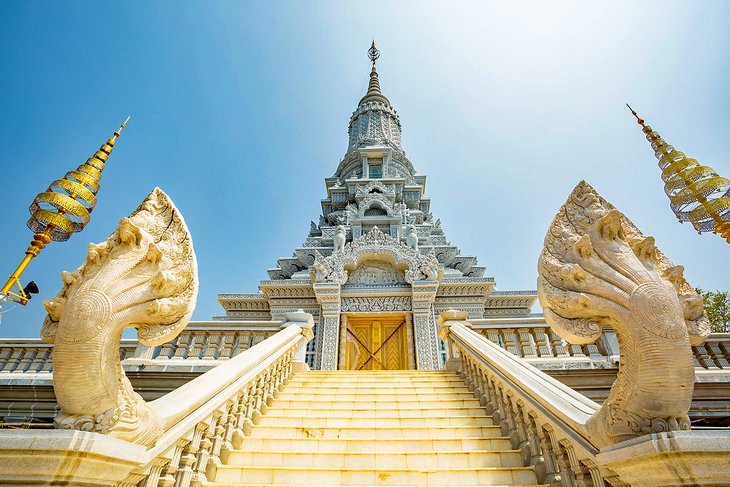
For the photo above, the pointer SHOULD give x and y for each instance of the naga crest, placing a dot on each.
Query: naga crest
(143, 276)
(597, 269)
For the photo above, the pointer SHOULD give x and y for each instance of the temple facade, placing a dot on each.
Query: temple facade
(377, 354)
(377, 268)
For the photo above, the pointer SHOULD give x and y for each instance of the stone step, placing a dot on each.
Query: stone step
(376, 389)
(433, 412)
(468, 459)
(229, 484)
(373, 432)
(394, 403)
(375, 379)
(315, 395)
(327, 421)
(385, 445)
(373, 476)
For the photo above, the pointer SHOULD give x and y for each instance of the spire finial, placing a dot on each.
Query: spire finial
(373, 53)
(633, 112)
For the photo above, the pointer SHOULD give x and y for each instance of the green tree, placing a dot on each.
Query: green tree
(717, 307)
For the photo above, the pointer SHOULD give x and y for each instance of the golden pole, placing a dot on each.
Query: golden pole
(63, 209)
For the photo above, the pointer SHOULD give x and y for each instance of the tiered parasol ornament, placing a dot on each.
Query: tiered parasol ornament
(57, 213)
(697, 194)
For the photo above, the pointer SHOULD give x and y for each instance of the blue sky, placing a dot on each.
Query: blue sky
(240, 109)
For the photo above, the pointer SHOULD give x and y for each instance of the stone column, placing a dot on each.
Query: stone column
(426, 344)
(343, 342)
(410, 344)
(424, 326)
(328, 343)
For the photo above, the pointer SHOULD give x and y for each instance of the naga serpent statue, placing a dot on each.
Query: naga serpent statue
(143, 276)
(596, 270)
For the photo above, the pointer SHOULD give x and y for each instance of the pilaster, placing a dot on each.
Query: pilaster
(424, 326)
(328, 296)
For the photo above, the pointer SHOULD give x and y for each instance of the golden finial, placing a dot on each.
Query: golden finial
(373, 53)
(59, 212)
(696, 193)
(633, 112)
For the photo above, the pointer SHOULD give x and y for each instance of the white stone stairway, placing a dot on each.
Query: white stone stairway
(403, 428)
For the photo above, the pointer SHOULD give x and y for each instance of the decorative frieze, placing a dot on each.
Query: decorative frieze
(376, 304)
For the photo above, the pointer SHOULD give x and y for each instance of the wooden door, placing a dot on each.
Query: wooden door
(376, 343)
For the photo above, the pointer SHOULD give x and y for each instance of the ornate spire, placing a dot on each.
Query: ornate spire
(696, 193)
(374, 93)
(59, 212)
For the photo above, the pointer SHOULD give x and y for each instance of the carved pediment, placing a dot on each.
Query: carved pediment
(375, 246)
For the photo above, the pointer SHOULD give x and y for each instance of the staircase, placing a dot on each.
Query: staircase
(375, 428)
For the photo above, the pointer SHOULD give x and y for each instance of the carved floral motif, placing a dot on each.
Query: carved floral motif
(598, 269)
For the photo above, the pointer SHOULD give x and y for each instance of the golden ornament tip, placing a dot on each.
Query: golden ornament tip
(633, 112)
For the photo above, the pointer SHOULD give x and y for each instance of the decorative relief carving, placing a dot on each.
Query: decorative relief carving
(143, 276)
(597, 268)
(376, 304)
(332, 269)
(426, 344)
(376, 273)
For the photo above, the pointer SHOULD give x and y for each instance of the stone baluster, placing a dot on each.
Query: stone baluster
(508, 420)
(520, 420)
(182, 345)
(576, 350)
(203, 454)
(229, 339)
(189, 456)
(27, 360)
(5, 354)
(594, 353)
(250, 408)
(704, 357)
(167, 350)
(153, 478)
(510, 342)
(718, 355)
(200, 339)
(552, 470)
(537, 459)
(44, 356)
(579, 471)
(14, 359)
(557, 344)
(214, 342)
(219, 440)
(493, 335)
(541, 342)
(567, 477)
(259, 405)
(239, 419)
(525, 339)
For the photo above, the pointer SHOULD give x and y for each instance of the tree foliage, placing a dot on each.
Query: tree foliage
(717, 307)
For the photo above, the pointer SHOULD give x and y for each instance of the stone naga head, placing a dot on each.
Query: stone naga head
(596, 270)
(143, 276)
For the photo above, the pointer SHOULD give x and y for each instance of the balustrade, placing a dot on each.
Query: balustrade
(543, 348)
(542, 418)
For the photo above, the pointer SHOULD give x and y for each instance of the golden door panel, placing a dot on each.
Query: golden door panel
(376, 344)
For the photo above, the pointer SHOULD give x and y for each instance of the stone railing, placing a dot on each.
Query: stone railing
(201, 421)
(206, 341)
(29, 356)
(533, 339)
(544, 419)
